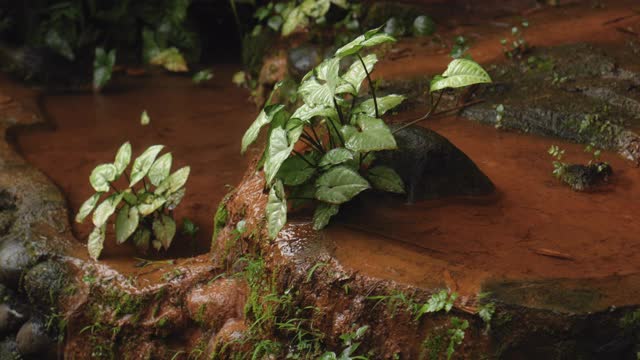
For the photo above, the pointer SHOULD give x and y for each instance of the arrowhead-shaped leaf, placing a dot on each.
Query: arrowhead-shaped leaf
(87, 207)
(265, 117)
(370, 38)
(141, 239)
(374, 136)
(386, 179)
(123, 158)
(460, 73)
(339, 185)
(95, 244)
(160, 169)
(101, 176)
(279, 150)
(175, 198)
(276, 209)
(106, 209)
(296, 171)
(323, 214)
(335, 156)
(164, 229)
(355, 75)
(126, 222)
(151, 204)
(385, 103)
(143, 163)
(174, 182)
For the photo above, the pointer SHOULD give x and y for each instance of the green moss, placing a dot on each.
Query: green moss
(220, 219)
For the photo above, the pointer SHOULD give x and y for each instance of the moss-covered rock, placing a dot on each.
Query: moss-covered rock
(15, 259)
(45, 282)
(584, 177)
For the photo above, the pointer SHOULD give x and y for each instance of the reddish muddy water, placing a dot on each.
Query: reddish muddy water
(466, 242)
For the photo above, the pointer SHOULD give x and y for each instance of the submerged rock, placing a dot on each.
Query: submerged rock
(303, 59)
(575, 92)
(584, 177)
(432, 167)
(32, 339)
(15, 258)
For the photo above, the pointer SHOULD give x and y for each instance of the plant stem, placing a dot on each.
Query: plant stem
(313, 130)
(371, 87)
(337, 132)
(307, 141)
(303, 158)
(335, 104)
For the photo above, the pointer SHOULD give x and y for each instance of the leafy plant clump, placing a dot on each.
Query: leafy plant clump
(143, 214)
(324, 152)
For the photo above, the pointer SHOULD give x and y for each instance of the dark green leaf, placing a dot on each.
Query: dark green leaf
(164, 229)
(323, 214)
(339, 185)
(279, 150)
(386, 179)
(336, 156)
(296, 171)
(276, 209)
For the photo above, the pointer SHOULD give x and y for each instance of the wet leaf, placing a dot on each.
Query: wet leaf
(87, 207)
(385, 103)
(126, 222)
(296, 171)
(264, 118)
(174, 182)
(279, 150)
(316, 94)
(164, 229)
(171, 59)
(460, 73)
(339, 185)
(145, 119)
(276, 209)
(355, 75)
(374, 136)
(306, 112)
(123, 158)
(296, 19)
(386, 179)
(160, 169)
(101, 176)
(95, 244)
(315, 8)
(335, 157)
(143, 163)
(106, 209)
(323, 214)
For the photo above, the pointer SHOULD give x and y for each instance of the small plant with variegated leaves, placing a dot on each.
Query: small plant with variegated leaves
(144, 209)
(324, 152)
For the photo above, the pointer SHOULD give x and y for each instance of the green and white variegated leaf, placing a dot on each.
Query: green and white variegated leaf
(123, 158)
(160, 169)
(106, 209)
(460, 73)
(276, 209)
(385, 103)
(339, 185)
(174, 182)
(126, 222)
(294, 129)
(335, 157)
(143, 163)
(130, 197)
(102, 176)
(355, 75)
(141, 239)
(164, 229)
(87, 207)
(374, 136)
(175, 198)
(316, 94)
(296, 18)
(386, 179)
(348, 131)
(341, 3)
(306, 112)
(279, 150)
(296, 171)
(370, 38)
(151, 204)
(328, 71)
(264, 118)
(323, 214)
(315, 8)
(95, 244)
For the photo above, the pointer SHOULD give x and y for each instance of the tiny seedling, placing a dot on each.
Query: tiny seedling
(189, 228)
(144, 118)
(324, 153)
(103, 67)
(559, 167)
(202, 76)
(515, 47)
(351, 342)
(143, 209)
(499, 116)
(460, 48)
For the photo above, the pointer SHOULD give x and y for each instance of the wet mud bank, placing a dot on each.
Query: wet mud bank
(540, 271)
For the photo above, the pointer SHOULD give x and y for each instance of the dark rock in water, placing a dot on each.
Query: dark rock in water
(9, 350)
(394, 27)
(431, 167)
(303, 59)
(15, 258)
(584, 177)
(575, 92)
(423, 26)
(32, 338)
(10, 319)
(44, 283)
